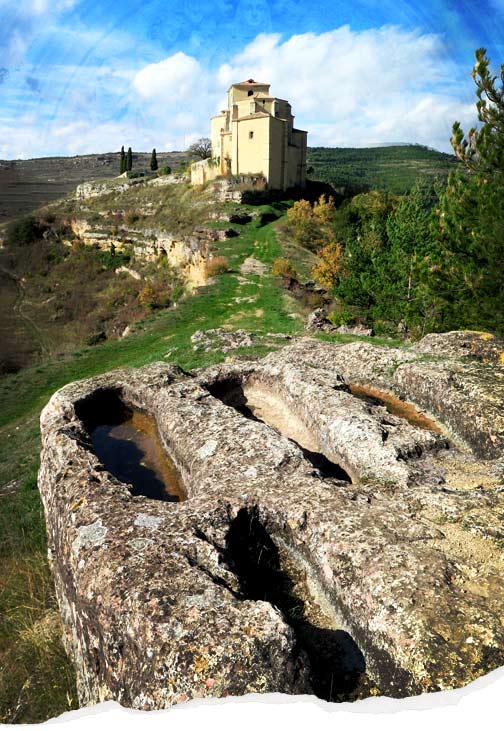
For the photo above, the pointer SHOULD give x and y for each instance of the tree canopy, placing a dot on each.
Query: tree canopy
(469, 271)
(201, 149)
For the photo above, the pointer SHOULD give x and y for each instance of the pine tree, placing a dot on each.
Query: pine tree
(122, 164)
(153, 162)
(129, 160)
(470, 224)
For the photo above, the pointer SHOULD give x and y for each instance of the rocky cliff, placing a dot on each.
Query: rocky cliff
(342, 532)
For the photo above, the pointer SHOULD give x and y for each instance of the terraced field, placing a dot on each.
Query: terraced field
(28, 184)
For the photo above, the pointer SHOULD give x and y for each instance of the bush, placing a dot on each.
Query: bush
(155, 295)
(166, 170)
(216, 265)
(283, 268)
(340, 317)
(24, 231)
(131, 217)
(327, 270)
(312, 226)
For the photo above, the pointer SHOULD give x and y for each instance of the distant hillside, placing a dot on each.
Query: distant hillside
(28, 184)
(393, 168)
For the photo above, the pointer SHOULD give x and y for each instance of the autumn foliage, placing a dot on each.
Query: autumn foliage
(311, 226)
(328, 268)
(282, 267)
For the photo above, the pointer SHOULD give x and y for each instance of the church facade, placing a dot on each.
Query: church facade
(255, 136)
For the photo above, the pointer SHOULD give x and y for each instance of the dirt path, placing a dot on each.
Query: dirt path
(31, 327)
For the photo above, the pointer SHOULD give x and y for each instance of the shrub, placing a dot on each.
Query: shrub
(131, 217)
(216, 265)
(155, 294)
(340, 317)
(312, 226)
(328, 268)
(23, 231)
(283, 268)
(166, 170)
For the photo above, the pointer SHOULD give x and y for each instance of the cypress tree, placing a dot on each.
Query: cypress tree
(153, 162)
(122, 164)
(129, 160)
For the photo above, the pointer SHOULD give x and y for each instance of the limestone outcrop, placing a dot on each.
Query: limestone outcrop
(481, 346)
(96, 189)
(189, 254)
(341, 533)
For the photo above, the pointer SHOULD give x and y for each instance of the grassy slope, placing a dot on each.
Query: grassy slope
(392, 168)
(36, 678)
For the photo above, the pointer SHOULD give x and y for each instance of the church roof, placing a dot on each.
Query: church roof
(255, 115)
(248, 83)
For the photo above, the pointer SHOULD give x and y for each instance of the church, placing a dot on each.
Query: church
(255, 136)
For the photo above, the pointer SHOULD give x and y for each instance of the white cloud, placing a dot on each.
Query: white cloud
(38, 7)
(177, 77)
(21, 21)
(346, 88)
(178, 95)
(356, 88)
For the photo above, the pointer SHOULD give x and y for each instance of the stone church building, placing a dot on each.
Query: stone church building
(255, 136)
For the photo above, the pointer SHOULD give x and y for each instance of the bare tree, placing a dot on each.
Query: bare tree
(201, 149)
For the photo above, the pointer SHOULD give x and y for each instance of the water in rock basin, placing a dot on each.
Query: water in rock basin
(132, 452)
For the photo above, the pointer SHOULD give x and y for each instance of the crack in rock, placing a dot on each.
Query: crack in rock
(312, 555)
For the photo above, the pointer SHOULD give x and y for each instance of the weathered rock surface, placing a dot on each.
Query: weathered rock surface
(386, 535)
(355, 330)
(318, 322)
(188, 254)
(95, 189)
(482, 346)
(223, 340)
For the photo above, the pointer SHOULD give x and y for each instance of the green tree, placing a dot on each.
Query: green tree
(129, 160)
(483, 150)
(122, 164)
(154, 162)
(362, 227)
(468, 272)
(401, 274)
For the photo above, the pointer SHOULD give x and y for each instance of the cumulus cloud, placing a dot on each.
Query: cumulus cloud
(357, 88)
(177, 77)
(180, 95)
(347, 88)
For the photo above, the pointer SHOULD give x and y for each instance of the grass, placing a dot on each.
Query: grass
(36, 678)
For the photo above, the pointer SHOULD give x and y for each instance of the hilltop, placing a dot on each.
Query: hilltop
(27, 184)
(393, 168)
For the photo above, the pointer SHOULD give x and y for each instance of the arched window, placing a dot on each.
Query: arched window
(251, 91)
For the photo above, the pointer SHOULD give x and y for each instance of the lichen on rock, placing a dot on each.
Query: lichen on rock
(327, 544)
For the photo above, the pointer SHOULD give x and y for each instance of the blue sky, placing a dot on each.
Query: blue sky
(88, 76)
